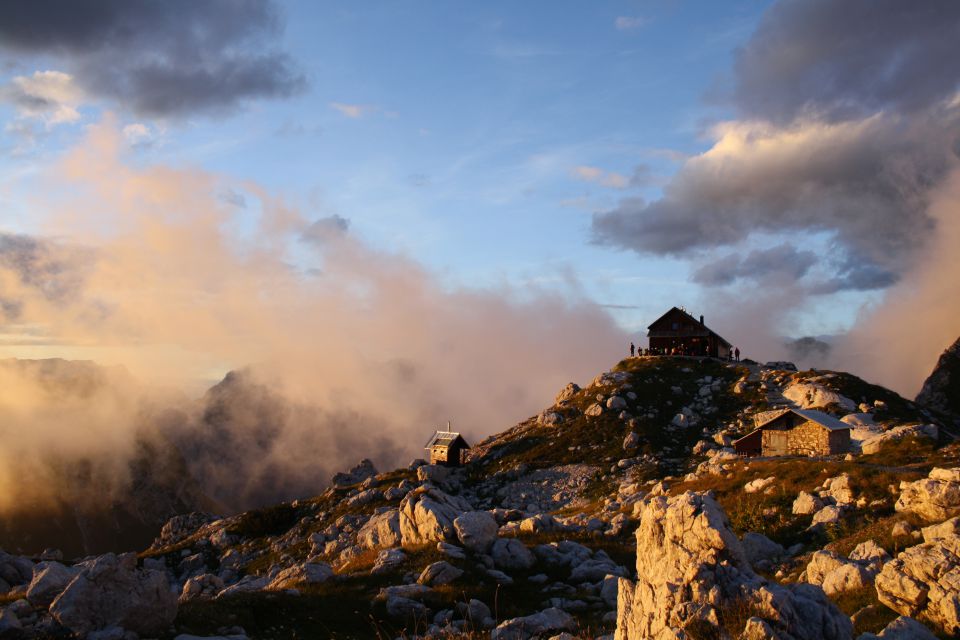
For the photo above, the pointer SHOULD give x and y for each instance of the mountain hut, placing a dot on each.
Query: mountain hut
(447, 448)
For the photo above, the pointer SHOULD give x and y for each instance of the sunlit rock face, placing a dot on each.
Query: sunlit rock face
(693, 573)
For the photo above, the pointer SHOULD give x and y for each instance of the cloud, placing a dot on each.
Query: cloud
(843, 134)
(629, 23)
(50, 96)
(353, 110)
(856, 180)
(342, 350)
(158, 58)
(596, 175)
(851, 59)
(783, 261)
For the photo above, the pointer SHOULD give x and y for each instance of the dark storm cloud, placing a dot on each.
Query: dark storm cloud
(784, 260)
(840, 59)
(167, 58)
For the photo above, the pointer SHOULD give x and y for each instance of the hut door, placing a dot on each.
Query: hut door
(777, 443)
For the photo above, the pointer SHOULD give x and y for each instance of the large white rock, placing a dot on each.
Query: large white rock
(806, 504)
(828, 515)
(427, 515)
(870, 554)
(566, 393)
(49, 580)
(690, 566)
(112, 591)
(760, 548)
(380, 531)
(925, 579)
(810, 395)
(934, 498)
(476, 530)
(836, 574)
(838, 489)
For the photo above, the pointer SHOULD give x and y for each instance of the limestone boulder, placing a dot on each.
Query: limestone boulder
(835, 574)
(202, 587)
(758, 485)
(381, 531)
(112, 591)
(810, 395)
(438, 573)
(870, 554)
(550, 620)
(691, 567)
(941, 530)
(806, 504)
(49, 581)
(306, 573)
(925, 580)
(476, 530)
(873, 443)
(567, 393)
(427, 515)
(759, 548)
(934, 498)
(902, 628)
(510, 553)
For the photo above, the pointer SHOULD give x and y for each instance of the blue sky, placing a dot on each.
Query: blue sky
(482, 138)
(455, 131)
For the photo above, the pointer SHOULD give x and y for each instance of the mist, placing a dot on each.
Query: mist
(343, 351)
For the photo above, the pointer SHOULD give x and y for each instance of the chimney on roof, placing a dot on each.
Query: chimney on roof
(701, 318)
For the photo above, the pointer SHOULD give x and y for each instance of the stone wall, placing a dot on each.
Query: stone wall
(806, 439)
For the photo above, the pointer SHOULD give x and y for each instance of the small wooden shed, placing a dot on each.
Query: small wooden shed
(447, 448)
(795, 432)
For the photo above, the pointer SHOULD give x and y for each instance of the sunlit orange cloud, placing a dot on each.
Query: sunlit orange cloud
(167, 290)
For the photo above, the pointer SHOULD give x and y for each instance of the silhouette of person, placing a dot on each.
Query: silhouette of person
(736, 354)
(632, 348)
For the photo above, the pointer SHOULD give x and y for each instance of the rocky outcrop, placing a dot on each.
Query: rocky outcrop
(810, 395)
(476, 530)
(835, 574)
(935, 498)
(49, 580)
(874, 443)
(306, 573)
(427, 515)
(381, 531)
(112, 591)
(692, 570)
(925, 580)
(363, 470)
(941, 391)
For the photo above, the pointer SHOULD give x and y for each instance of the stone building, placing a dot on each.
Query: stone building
(795, 432)
(447, 448)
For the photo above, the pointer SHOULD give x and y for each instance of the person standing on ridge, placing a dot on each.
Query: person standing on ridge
(736, 354)
(632, 348)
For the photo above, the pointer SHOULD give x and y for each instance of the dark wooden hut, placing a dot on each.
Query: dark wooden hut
(447, 448)
(677, 331)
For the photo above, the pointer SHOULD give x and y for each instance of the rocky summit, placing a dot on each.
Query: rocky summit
(626, 509)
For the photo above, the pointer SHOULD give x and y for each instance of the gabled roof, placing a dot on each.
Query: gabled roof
(692, 319)
(445, 438)
(825, 420)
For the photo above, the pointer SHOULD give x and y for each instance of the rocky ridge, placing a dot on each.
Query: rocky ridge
(619, 510)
